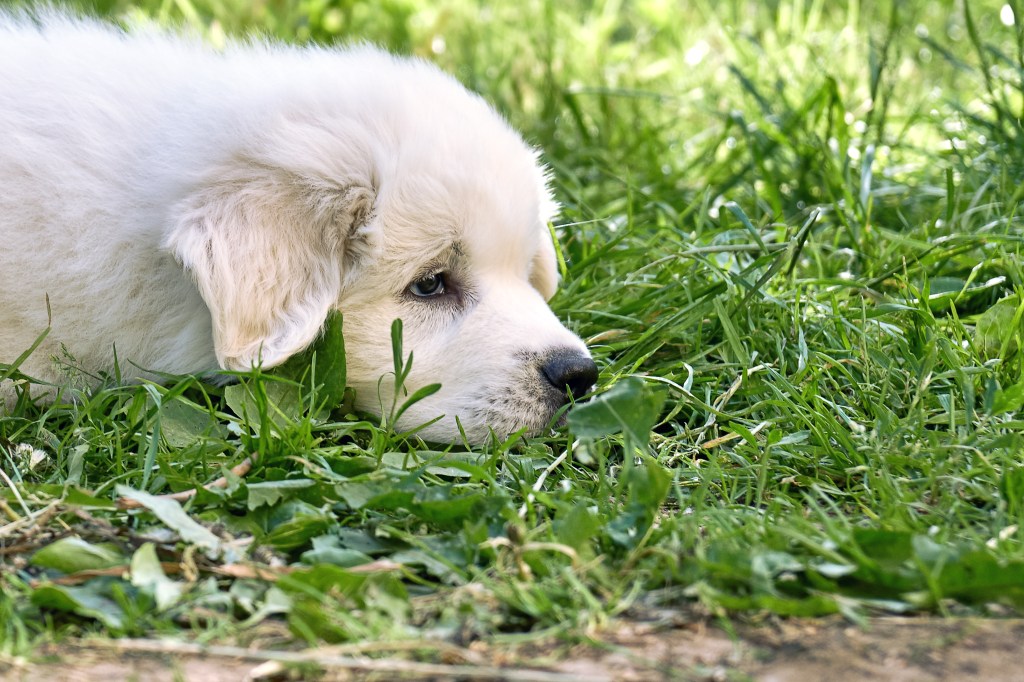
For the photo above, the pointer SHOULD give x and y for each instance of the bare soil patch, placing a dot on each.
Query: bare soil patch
(900, 649)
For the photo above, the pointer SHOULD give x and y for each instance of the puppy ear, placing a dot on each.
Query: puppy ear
(269, 249)
(544, 272)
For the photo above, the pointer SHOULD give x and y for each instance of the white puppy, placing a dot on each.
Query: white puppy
(197, 209)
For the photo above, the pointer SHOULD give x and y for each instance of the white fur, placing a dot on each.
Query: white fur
(200, 210)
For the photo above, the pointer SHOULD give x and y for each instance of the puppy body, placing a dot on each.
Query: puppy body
(199, 210)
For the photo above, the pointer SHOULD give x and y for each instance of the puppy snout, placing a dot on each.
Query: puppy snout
(569, 370)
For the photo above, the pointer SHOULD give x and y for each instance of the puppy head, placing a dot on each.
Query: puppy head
(416, 202)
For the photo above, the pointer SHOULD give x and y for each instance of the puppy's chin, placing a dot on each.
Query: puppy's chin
(495, 429)
(532, 410)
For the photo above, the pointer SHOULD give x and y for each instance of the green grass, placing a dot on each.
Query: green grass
(795, 222)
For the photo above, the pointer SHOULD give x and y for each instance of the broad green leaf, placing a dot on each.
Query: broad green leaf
(630, 407)
(429, 562)
(888, 546)
(83, 601)
(1008, 399)
(148, 575)
(76, 463)
(182, 423)
(275, 601)
(332, 604)
(578, 527)
(174, 517)
(357, 493)
(1011, 489)
(979, 577)
(322, 579)
(449, 510)
(931, 553)
(322, 365)
(284, 402)
(70, 555)
(327, 549)
(649, 483)
(240, 401)
(292, 524)
(377, 494)
(271, 492)
(628, 528)
(364, 540)
(299, 531)
(85, 498)
(353, 465)
(999, 328)
(944, 290)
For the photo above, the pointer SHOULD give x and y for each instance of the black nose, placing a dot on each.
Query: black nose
(568, 369)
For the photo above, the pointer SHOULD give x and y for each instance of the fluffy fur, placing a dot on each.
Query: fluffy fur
(197, 210)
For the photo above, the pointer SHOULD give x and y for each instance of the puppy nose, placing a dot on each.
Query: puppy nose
(569, 369)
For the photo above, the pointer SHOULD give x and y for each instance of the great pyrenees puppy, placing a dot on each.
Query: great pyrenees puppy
(191, 209)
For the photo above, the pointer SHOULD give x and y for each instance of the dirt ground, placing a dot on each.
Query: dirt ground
(903, 649)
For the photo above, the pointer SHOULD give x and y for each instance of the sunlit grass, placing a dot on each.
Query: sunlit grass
(792, 219)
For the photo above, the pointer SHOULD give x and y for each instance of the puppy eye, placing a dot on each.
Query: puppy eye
(434, 285)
